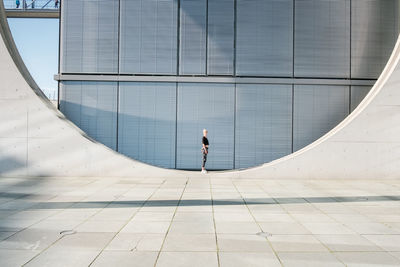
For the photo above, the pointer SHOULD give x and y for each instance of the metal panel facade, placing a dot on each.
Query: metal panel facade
(92, 106)
(147, 122)
(209, 106)
(322, 38)
(263, 123)
(375, 27)
(264, 45)
(358, 93)
(148, 40)
(89, 36)
(317, 109)
(193, 21)
(221, 15)
(70, 101)
(258, 112)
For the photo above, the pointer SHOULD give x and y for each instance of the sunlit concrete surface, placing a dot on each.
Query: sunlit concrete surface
(198, 222)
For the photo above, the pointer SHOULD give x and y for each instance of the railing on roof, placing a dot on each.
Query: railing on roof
(31, 4)
(32, 8)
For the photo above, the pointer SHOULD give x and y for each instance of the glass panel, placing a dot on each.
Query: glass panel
(263, 123)
(209, 106)
(322, 38)
(317, 110)
(89, 36)
(220, 37)
(358, 93)
(375, 27)
(147, 122)
(148, 36)
(264, 38)
(193, 37)
(92, 106)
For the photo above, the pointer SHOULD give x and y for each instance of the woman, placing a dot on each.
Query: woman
(204, 150)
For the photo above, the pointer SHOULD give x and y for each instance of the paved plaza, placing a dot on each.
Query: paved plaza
(200, 221)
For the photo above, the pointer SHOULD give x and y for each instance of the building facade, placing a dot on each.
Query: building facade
(265, 77)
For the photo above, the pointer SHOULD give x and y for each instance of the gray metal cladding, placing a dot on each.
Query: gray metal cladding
(375, 27)
(263, 123)
(221, 15)
(148, 40)
(264, 45)
(89, 36)
(160, 119)
(322, 38)
(147, 122)
(193, 21)
(70, 99)
(92, 106)
(358, 93)
(209, 106)
(317, 110)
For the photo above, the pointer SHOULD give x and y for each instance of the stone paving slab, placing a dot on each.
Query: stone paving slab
(238, 259)
(243, 243)
(84, 241)
(367, 259)
(4, 235)
(136, 242)
(59, 257)
(309, 259)
(386, 242)
(190, 242)
(198, 222)
(11, 257)
(296, 243)
(348, 243)
(30, 239)
(126, 258)
(192, 259)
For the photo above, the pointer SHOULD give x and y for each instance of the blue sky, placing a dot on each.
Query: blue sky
(37, 42)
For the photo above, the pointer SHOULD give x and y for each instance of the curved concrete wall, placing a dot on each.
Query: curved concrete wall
(366, 145)
(37, 140)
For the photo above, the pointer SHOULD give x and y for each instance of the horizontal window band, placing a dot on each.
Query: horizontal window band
(194, 79)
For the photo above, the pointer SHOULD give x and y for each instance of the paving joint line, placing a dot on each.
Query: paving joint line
(215, 226)
(62, 236)
(254, 218)
(129, 220)
(316, 236)
(172, 219)
(55, 241)
(26, 228)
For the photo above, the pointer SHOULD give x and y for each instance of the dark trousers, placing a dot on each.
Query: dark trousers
(203, 163)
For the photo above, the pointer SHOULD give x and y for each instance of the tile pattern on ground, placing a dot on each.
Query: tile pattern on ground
(199, 222)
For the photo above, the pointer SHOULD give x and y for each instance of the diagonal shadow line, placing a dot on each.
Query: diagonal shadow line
(215, 202)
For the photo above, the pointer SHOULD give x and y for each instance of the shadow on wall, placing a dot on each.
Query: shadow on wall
(12, 167)
(153, 140)
(154, 137)
(9, 165)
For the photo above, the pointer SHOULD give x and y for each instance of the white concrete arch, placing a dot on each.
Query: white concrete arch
(37, 140)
